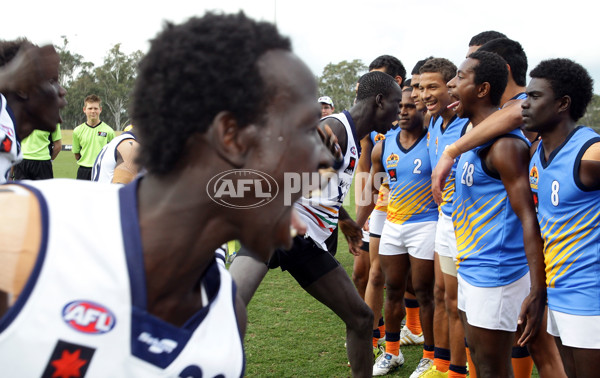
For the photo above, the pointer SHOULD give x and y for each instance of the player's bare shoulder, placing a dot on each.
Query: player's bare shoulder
(21, 236)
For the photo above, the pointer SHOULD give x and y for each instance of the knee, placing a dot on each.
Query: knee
(424, 293)
(438, 293)
(362, 318)
(376, 277)
(360, 279)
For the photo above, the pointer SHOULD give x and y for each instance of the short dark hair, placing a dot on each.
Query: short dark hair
(393, 66)
(567, 78)
(485, 36)
(513, 53)
(9, 49)
(491, 69)
(192, 72)
(440, 65)
(373, 83)
(417, 67)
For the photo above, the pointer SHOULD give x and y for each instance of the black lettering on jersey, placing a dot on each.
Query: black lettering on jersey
(68, 360)
(6, 144)
(351, 166)
(392, 173)
(194, 371)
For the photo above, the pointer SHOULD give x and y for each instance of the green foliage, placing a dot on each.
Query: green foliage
(339, 82)
(113, 82)
(592, 114)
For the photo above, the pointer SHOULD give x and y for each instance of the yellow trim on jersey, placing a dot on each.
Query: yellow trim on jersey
(469, 223)
(560, 245)
(407, 200)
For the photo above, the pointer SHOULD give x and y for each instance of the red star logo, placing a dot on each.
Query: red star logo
(68, 365)
(6, 144)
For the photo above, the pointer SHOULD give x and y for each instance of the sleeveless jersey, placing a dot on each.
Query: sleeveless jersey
(320, 214)
(10, 147)
(409, 179)
(569, 217)
(106, 161)
(83, 310)
(489, 236)
(382, 199)
(437, 141)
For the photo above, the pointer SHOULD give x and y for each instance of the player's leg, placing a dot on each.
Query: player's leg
(395, 268)
(544, 353)
(578, 340)
(491, 351)
(335, 290)
(458, 355)
(412, 332)
(374, 292)
(361, 267)
(440, 320)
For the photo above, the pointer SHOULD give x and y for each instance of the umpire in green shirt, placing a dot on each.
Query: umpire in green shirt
(39, 149)
(90, 137)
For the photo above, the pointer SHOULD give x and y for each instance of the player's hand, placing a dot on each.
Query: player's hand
(32, 66)
(366, 226)
(353, 233)
(439, 176)
(331, 142)
(531, 316)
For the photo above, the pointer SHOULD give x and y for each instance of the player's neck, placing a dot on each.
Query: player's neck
(481, 113)
(552, 139)
(512, 90)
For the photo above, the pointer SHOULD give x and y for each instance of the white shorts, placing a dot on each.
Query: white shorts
(445, 238)
(365, 236)
(577, 331)
(495, 308)
(376, 222)
(416, 239)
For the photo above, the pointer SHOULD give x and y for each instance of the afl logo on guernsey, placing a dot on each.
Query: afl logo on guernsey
(533, 178)
(392, 161)
(88, 317)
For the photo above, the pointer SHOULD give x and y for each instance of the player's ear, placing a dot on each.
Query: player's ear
(483, 89)
(231, 141)
(379, 100)
(564, 103)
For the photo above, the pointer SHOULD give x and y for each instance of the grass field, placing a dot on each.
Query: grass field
(289, 333)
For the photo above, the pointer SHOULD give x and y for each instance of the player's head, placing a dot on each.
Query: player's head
(558, 88)
(225, 92)
(480, 39)
(434, 75)
(38, 107)
(327, 107)
(414, 83)
(391, 66)
(380, 92)
(410, 117)
(480, 80)
(512, 52)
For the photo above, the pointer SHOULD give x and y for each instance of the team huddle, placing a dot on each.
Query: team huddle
(477, 211)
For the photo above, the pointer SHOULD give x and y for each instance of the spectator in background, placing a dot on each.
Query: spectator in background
(327, 107)
(39, 149)
(90, 137)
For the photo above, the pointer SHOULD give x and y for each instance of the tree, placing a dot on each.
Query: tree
(339, 82)
(77, 78)
(116, 78)
(592, 114)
